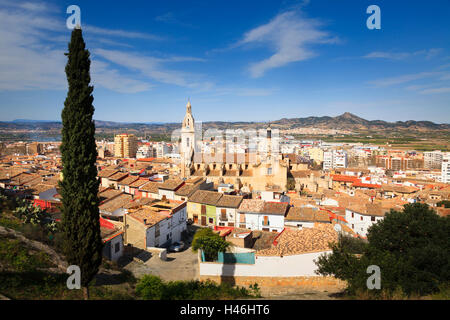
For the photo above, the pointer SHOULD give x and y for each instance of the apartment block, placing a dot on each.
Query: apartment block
(125, 145)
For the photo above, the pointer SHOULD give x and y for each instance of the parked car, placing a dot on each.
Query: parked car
(177, 246)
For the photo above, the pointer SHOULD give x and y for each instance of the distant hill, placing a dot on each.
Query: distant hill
(346, 121)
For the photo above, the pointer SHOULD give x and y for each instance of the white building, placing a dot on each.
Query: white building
(433, 159)
(145, 151)
(227, 210)
(335, 159)
(157, 225)
(262, 215)
(360, 219)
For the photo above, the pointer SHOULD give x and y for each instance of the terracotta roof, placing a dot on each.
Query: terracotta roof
(150, 216)
(399, 189)
(118, 176)
(128, 180)
(343, 178)
(260, 206)
(138, 183)
(366, 185)
(171, 184)
(105, 173)
(108, 193)
(251, 205)
(307, 214)
(41, 188)
(205, 197)
(291, 242)
(137, 203)
(187, 190)
(151, 187)
(279, 208)
(229, 201)
(116, 203)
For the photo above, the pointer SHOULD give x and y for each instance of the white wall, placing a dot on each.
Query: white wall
(287, 266)
(116, 255)
(168, 193)
(360, 223)
(255, 221)
(304, 224)
(231, 215)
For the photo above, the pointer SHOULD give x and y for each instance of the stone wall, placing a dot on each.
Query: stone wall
(276, 285)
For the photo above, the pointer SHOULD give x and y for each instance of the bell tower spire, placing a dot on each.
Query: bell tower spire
(187, 144)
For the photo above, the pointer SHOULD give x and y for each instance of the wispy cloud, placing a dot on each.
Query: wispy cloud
(112, 79)
(291, 35)
(427, 54)
(32, 50)
(405, 78)
(120, 33)
(152, 67)
(436, 90)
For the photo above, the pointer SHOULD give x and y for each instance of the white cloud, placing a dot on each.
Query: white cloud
(119, 33)
(428, 54)
(405, 78)
(109, 78)
(290, 35)
(436, 90)
(32, 50)
(152, 67)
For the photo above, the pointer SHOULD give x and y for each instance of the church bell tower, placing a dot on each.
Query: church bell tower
(187, 143)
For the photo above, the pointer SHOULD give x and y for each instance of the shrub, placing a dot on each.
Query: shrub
(153, 288)
(210, 243)
(410, 247)
(150, 287)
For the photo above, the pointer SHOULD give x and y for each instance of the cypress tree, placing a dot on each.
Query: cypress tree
(79, 186)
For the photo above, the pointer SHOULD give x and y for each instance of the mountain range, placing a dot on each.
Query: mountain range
(346, 121)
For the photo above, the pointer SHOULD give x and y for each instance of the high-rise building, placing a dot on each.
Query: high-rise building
(445, 170)
(334, 159)
(125, 146)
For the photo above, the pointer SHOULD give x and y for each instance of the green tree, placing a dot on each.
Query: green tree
(79, 187)
(410, 247)
(210, 243)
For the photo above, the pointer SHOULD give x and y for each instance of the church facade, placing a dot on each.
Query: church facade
(247, 171)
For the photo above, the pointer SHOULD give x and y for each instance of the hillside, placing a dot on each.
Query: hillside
(346, 121)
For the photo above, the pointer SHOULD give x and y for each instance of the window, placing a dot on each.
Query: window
(361, 218)
(223, 214)
(117, 247)
(211, 220)
(353, 226)
(266, 221)
(299, 225)
(353, 215)
(269, 171)
(221, 224)
(372, 218)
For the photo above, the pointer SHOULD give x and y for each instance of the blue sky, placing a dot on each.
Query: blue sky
(236, 60)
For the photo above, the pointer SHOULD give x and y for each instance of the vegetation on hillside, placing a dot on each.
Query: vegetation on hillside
(411, 248)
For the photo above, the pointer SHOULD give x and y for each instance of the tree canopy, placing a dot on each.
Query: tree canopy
(411, 247)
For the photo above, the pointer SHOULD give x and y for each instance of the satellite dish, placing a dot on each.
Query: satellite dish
(337, 227)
